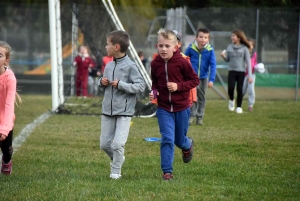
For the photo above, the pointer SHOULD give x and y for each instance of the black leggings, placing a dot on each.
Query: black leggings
(233, 77)
(6, 147)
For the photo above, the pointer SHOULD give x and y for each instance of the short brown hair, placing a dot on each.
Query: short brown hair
(203, 30)
(121, 38)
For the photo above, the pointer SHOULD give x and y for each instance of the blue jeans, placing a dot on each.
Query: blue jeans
(173, 127)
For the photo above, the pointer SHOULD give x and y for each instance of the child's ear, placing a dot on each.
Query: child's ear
(156, 46)
(117, 47)
(176, 48)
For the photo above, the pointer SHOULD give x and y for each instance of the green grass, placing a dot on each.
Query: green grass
(250, 156)
(32, 107)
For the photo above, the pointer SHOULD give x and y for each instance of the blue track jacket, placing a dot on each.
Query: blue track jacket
(202, 59)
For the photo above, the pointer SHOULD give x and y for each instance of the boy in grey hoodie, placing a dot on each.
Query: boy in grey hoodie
(121, 82)
(238, 56)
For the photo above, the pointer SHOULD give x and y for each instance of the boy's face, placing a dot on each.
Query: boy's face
(110, 48)
(202, 39)
(166, 47)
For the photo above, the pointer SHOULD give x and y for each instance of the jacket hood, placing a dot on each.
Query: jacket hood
(7, 72)
(237, 46)
(195, 43)
(175, 56)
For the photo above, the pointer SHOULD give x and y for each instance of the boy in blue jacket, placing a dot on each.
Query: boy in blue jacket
(203, 61)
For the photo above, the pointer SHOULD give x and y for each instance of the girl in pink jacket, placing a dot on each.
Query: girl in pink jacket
(7, 101)
(249, 87)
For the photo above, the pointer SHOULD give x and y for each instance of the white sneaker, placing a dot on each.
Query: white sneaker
(231, 105)
(115, 176)
(239, 110)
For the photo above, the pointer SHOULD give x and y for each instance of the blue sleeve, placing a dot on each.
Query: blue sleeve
(213, 66)
(188, 52)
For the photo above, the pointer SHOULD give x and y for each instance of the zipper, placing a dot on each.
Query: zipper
(199, 63)
(112, 90)
(125, 105)
(167, 78)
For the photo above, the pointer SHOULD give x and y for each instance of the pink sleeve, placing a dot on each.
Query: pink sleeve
(253, 61)
(9, 114)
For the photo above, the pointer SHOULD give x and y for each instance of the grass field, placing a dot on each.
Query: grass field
(249, 156)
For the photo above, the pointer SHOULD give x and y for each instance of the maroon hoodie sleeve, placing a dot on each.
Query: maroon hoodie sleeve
(191, 78)
(153, 76)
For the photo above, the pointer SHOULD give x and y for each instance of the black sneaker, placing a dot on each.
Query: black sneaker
(167, 176)
(187, 155)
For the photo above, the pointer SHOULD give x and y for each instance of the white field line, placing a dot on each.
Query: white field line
(27, 130)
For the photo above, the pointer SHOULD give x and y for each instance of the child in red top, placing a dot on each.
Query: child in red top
(83, 63)
(172, 78)
(8, 93)
(193, 92)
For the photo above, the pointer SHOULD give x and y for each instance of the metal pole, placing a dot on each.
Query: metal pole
(131, 48)
(74, 47)
(298, 52)
(257, 29)
(54, 80)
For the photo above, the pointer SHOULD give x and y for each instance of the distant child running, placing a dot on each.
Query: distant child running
(204, 64)
(172, 78)
(238, 57)
(250, 86)
(121, 83)
(8, 95)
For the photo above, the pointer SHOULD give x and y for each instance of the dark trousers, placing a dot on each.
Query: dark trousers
(82, 85)
(6, 147)
(236, 77)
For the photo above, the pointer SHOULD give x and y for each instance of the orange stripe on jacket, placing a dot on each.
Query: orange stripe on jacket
(193, 92)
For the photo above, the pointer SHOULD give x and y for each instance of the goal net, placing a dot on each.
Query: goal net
(90, 22)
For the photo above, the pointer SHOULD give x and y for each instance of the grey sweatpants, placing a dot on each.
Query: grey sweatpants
(198, 108)
(250, 89)
(114, 134)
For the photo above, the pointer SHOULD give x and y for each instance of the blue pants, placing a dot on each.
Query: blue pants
(173, 127)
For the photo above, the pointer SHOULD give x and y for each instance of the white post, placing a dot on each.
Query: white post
(54, 80)
(59, 54)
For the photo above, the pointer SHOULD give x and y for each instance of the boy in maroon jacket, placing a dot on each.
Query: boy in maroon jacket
(172, 79)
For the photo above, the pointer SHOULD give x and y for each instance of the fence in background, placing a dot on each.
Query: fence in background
(26, 29)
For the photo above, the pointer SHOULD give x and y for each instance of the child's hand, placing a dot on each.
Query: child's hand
(210, 84)
(153, 94)
(2, 137)
(250, 80)
(104, 81)
(223, 54)
(114, 83)
(172, 86)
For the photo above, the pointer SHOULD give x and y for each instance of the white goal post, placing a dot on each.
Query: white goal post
(57, 84)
